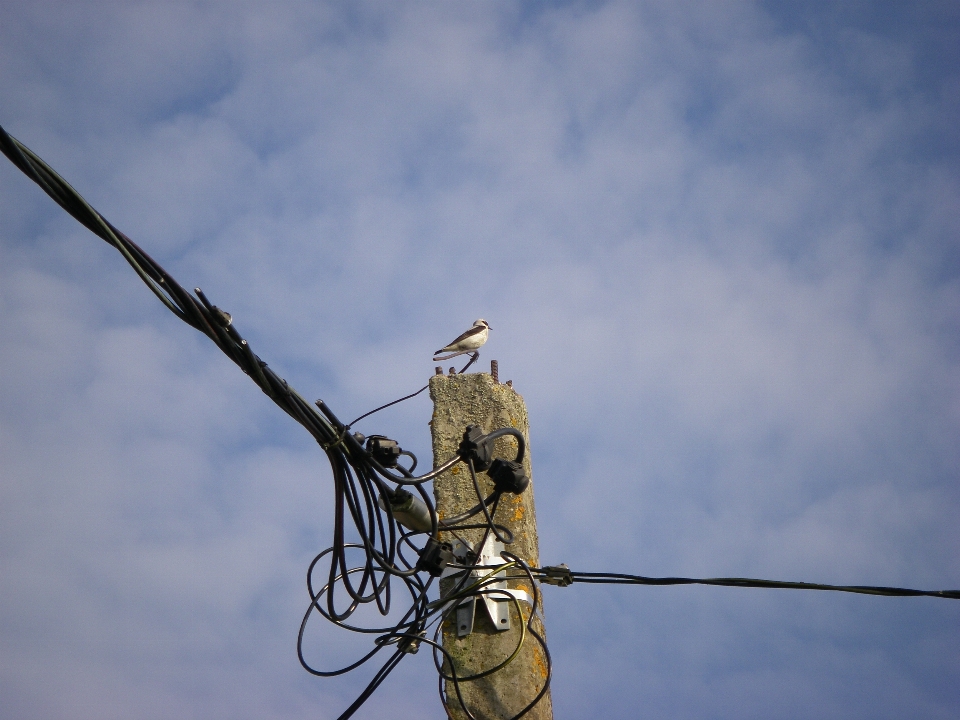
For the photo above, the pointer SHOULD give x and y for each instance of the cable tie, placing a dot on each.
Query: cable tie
(339, 441)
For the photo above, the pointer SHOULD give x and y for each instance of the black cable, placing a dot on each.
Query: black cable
(405, 397)
(551, 575)
(383, 407)
(483, 507)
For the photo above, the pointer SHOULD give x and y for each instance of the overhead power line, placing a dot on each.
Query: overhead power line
(561, 575)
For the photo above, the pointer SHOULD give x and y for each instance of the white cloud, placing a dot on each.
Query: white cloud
(746, 223)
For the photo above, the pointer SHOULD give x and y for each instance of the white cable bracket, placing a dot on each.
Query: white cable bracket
(496, 596)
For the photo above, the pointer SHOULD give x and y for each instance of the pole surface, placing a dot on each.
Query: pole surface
(477, 399)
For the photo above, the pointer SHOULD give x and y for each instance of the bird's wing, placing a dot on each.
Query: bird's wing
(468, 334)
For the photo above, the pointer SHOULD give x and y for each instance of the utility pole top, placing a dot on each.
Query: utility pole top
(476, 399)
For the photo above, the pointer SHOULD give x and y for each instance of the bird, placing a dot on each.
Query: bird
(469, 342)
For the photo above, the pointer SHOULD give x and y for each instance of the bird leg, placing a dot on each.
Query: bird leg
(473, 358)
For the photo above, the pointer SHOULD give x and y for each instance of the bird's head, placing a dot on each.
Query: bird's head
(482, 323)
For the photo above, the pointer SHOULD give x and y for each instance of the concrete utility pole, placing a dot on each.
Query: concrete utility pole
(480, 399)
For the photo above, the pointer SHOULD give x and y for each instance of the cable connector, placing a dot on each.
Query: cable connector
(408, 510)
(384, 450)
(435, 556)
(477, 447)
(410, 644)
(558, 575)
(508, 476)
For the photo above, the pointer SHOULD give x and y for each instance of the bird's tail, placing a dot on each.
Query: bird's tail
(437, 356)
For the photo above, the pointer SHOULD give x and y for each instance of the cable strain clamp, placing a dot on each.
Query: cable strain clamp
(435, 557)
(508, 476)
(476, 447)
(558, 575)
(384, 450)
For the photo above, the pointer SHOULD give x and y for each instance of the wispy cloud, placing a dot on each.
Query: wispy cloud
(718, 247)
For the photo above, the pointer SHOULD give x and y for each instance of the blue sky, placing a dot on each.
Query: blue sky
(719, 247)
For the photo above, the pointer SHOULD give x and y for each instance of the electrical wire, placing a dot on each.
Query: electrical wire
(406, 397)
(561, 575)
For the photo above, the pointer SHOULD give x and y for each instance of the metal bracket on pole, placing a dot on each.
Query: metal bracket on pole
(497, 599)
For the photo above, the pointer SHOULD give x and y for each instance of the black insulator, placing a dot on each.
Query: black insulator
(435, 556)
(476, 447)
(384, 450)
(508, 476)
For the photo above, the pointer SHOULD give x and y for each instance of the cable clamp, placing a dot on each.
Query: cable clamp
(558, 575)
(384, 450)
(434, 557)
(508, 476)
(410, 644)
(476, 446)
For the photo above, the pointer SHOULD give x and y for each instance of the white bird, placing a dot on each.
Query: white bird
(469, 342)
